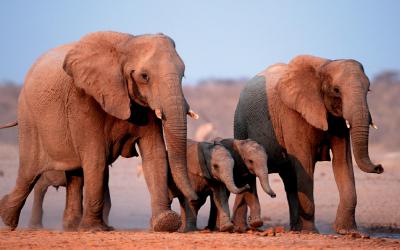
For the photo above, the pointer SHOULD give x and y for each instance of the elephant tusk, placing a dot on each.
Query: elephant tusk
(193, 115)
(158, 114)
(347, 124)
(373, 126)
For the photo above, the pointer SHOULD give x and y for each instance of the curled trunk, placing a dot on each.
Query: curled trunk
(230, 185)
(226, 176)
(359, 132)
(264, 181)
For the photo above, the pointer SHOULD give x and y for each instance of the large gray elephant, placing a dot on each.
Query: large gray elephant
(210, 168)
(81, 102)
(298, 112)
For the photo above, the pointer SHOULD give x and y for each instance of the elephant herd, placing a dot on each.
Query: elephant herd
(86, 103)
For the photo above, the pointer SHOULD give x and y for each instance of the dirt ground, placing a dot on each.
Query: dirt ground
(377, 214)
(24, 239)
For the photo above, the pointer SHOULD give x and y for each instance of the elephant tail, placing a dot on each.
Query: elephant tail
(9, 125)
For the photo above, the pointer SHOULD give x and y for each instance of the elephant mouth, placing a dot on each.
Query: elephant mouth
(138, 114)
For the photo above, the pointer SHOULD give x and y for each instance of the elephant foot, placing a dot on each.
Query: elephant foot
(34, 225)
(349, 229)
(187, 228)
(255, 222)
(94, 226)
(10, 216)
(308, 231)
(167, 221)
(313, 230)
(240, 225)
(240, 228)
(227, 227)
(353, 233)
(309, 228)
(210, 228)
(71, 224)
(304, 226)
(345, 224)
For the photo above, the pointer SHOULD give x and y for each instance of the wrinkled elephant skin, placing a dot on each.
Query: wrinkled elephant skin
(82, 102)
(298, 112)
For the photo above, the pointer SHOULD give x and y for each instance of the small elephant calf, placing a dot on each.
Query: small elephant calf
(210, 170)
(250, 162)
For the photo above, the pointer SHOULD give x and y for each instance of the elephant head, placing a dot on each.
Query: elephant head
(219, 166)
(121, 71)
(317, 87)
(254, 157)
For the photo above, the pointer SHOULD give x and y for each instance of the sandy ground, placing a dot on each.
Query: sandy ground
(377, 214)
(143, 240)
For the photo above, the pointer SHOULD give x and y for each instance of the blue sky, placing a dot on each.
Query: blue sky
(220, 38)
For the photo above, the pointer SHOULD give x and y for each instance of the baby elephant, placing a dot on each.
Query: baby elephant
(250, 162)
(210, 170)
(58, 179)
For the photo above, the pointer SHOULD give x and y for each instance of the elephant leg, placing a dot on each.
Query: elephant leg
(212, 219)
(290, 183)
(39, 192)
(239, 214)
(304, 167)
(155, 170)
(30, 168)
(343, 170)
(189, 216)
(73, 203)
(251, 198)
(12, 203)
(220, 199)
(184, 215)
(95, 177)
(107, 204)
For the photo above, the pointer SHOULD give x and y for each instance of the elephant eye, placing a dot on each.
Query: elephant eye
(251, 161)
(145, 77)
(336, 90)
(215, 166)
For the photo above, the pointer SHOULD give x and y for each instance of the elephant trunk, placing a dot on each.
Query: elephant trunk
(231, 186)
(359, 132)
(226, 177)
(264, 181)
(175, 131)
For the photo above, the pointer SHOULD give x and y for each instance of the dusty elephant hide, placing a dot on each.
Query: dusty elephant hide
(298, 112)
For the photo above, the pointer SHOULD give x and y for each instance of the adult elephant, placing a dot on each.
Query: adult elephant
(298, 112)
(82, 102)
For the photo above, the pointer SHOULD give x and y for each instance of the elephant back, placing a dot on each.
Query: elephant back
(253, 119)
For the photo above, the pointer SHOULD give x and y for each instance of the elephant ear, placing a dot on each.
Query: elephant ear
(202, 151)
(94, 65)
(300, 89)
